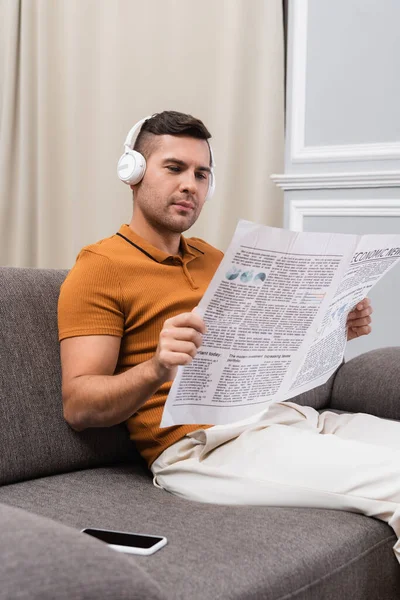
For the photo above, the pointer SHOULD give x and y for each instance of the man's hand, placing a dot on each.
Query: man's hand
(359, 319)
(179, 340)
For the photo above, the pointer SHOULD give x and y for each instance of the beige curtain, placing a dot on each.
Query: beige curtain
(75, 75)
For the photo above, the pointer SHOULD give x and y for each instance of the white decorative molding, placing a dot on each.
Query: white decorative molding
(311, 154)
(321, 181)
(301, 153)
(298, 209)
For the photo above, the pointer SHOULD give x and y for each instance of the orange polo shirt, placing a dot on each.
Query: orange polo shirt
(124, 286)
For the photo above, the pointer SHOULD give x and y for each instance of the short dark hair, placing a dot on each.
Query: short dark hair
(169, 122)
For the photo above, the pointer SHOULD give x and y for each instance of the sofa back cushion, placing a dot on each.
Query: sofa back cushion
(35, 440)
(369, 383)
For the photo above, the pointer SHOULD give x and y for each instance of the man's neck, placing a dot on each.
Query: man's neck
(168, 242)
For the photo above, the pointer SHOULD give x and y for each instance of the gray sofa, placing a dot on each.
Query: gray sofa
(54, 481)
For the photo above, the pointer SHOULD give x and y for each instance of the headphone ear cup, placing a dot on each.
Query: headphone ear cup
(211, 187)
(131, 167)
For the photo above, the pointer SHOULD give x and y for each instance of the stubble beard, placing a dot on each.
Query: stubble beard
(158, 212)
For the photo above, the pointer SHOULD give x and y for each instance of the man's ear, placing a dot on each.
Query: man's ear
(134, 187)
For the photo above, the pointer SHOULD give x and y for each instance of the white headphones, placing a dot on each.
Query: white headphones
(132, 165)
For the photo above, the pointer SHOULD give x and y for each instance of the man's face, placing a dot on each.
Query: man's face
(172, 193)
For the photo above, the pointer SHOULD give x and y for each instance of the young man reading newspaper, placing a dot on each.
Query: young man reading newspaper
(126, 324)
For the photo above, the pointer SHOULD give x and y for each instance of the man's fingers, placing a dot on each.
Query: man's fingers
(182, 333)
(180, 338)
(360, 313)
(360, 322)
(363, 303)
(359, 319)
(175, 359)
(187, 320)
(177, 352)
(362, 330)
(174, 345)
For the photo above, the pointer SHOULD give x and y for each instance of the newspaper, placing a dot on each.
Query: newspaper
(275, 312)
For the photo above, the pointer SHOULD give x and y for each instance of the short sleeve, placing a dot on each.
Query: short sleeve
(90, 301)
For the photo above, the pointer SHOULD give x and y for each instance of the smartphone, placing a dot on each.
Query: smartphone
(132, 543)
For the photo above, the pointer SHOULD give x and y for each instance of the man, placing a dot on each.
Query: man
(126, 322)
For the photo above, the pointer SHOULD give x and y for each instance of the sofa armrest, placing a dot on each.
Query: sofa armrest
(42, 559)
(369, 383)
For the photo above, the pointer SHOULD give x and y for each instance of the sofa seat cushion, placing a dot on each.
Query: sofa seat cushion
(225, 552)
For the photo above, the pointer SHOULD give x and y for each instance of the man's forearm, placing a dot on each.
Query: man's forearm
(105, 400)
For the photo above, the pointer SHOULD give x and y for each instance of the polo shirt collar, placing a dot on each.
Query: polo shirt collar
(188, 252)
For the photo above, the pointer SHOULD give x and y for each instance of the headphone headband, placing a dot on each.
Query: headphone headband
(132, 135)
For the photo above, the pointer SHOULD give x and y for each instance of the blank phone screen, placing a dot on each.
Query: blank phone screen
(117, 538)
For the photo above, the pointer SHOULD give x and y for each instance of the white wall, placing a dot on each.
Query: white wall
(342, 155)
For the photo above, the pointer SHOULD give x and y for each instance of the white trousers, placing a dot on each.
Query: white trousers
(290, 455)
